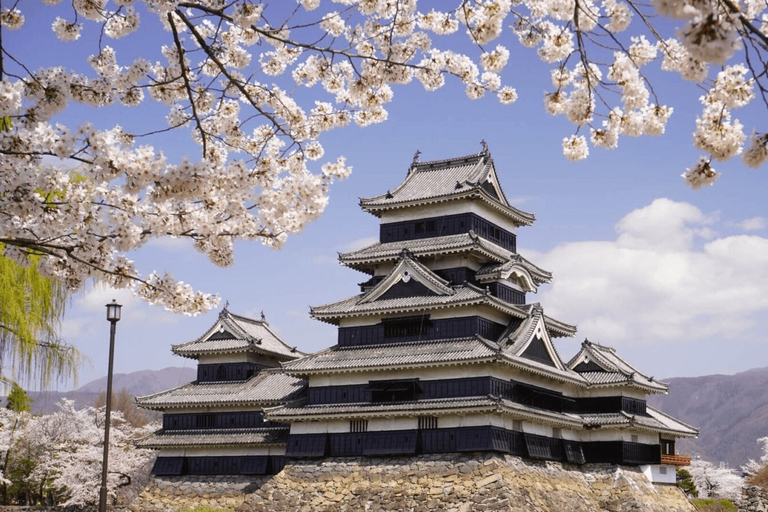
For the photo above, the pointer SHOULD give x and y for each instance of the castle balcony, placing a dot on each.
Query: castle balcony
(675, 460)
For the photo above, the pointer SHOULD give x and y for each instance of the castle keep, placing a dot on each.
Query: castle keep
(441, 351)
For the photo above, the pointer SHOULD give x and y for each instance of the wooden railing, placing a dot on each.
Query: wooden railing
(675, 460)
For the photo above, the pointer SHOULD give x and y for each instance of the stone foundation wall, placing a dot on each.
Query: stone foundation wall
(753, 499)
(457, 483)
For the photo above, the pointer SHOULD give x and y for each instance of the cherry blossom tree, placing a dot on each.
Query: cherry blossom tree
(715, 481)
(71, 462)
(752, 467)
(257, 83)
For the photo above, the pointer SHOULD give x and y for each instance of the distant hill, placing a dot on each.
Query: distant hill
(731, 411)
(140, 383)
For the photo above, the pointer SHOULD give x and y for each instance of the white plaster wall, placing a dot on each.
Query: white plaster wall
(535, 428)
(659, 473)
(359, 321)
(471, 420)
(614, 434)
(376, 424)
(320, 427)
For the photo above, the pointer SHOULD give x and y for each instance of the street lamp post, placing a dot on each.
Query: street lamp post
(113, 315)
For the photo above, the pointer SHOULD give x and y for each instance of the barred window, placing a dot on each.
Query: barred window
(358, 426)
(427, 423)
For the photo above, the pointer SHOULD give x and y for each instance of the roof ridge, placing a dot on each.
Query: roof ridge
(446, 161)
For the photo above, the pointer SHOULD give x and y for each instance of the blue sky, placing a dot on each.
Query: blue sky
(675, 279)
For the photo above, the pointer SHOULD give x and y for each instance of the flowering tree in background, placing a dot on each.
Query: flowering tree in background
(231, 72)
(62, 453)
(715, 481)
(753, 467)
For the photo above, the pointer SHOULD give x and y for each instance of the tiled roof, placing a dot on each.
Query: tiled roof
(604, 367)
(560, 418)
(464, 295)
(373, 357)
(655, 422)
(671, 423)
(247, 335)
(544, 370)
(407, 269)
(301, 411)
(217, 437)
(389, 251)
(416, 407)
(443, 180)
(268, 387)
(516, 263)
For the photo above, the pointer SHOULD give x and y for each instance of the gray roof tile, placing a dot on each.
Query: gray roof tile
(371, 357)
(494, 270)
(217, 437)
(615, 370)
(292, 411)
(461, 243)
(465, 294)
(248, 335)
(655, 421)
(268, 387)
(441, 180)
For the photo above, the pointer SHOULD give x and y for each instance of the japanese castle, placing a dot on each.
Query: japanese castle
(440, 352)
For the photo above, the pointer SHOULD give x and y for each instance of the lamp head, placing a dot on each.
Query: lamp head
(113, 311)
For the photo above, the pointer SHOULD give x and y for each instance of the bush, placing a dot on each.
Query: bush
(685, 482)
(760, 478)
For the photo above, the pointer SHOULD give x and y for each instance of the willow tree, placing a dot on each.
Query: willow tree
(30, 309)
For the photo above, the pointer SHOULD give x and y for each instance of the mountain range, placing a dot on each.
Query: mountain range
(140, 383)
(731, 411)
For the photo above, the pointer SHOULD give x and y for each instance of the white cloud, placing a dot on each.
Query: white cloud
(655, 284)
(753, 224)
(88, 314)
(359, 244)
(328, 259)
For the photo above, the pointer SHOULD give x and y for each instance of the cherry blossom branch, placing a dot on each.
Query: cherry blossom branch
(187, 85)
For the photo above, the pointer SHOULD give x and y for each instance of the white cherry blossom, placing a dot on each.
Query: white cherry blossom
(257, 85)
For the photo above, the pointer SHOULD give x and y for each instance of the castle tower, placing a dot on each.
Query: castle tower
(442, 351)
(215, 425)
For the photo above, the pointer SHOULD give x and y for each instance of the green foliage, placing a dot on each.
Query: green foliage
(710, 505)
(30, 308)
(18, 400)
(685, 482)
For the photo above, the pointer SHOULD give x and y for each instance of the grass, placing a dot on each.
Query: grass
(709, 505)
